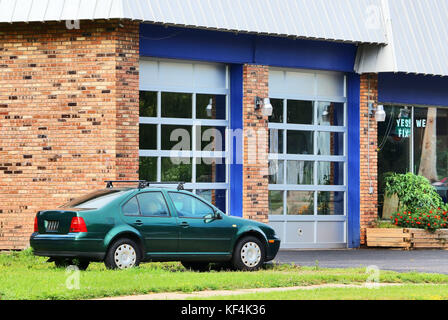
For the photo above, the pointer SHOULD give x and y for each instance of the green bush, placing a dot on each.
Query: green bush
(413, 191)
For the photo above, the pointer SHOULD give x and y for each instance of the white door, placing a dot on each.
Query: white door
(308, 158)
(183, 121)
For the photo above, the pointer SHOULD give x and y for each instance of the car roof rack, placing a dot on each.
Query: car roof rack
(144, 184)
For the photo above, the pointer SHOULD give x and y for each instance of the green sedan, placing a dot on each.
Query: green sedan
(126, 226)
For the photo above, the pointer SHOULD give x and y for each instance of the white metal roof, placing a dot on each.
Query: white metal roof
(418, 39)
(340, 20)
(394, 35)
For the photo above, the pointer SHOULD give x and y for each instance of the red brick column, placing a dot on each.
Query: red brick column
(255, 160)
(127, 100)
(68, 116)
(369, 154)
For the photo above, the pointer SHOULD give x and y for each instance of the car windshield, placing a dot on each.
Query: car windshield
(94, 200)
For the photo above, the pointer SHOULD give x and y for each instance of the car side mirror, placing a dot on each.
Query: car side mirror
(217, 215)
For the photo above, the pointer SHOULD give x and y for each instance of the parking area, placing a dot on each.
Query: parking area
(430, 261)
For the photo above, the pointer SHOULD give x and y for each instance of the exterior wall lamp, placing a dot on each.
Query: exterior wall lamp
(209, 108)
(380, 114)
(264, 105)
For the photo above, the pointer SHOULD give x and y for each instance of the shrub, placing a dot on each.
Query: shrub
(413, 191)
(430, 220)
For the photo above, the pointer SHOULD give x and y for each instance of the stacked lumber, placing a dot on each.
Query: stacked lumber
(390, 238)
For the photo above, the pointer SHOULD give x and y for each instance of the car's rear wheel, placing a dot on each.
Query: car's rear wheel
(196, 266)
(249, 254)
(123, 254)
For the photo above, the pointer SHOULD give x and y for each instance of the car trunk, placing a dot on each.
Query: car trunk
(55, 221)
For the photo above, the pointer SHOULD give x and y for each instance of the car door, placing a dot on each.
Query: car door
(148, 213)
(200, 233)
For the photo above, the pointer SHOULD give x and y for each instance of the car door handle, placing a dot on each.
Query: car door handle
(184, 224)
(138, 222)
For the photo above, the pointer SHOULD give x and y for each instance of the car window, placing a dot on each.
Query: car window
(95, 199)
(152, 204)
(131, 208)
(189, 207)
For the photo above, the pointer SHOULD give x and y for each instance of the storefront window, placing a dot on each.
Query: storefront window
(414, 139)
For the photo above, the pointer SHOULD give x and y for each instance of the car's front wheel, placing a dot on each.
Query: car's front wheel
(249, 254)
(123, 254)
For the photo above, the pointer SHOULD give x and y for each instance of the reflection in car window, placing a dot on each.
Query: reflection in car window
(94, 200)
(152, 204)
(189, 207)
(131, 208)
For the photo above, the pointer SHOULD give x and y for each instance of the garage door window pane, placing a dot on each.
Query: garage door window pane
(300, 112)
(216, 197)
(330, 173)
(300, 203)
(330, 143)
(300, 172)
(330, 114)
(148, 104)
(218, 110)
(210, 170)
(300, 142)
(177, 105)
(176, 169)
(147, 169)
(176, 137)
(211, 138)
(277, 112)
(275, 141)
(330, 203)
(276, 202)
(148, 136)
(276, 172)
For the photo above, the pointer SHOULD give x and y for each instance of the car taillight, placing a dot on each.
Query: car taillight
(36, 227)
(78, 225)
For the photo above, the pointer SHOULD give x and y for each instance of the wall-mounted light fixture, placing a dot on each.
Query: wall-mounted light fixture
(380, 114)
(404, 113)
(264, 105)
(209, 108)
(326, 115)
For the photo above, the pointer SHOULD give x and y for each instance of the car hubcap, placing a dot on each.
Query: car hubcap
(250, 254)
(125, 256)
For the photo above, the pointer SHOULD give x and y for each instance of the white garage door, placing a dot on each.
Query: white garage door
(180, 138)
(308, 158)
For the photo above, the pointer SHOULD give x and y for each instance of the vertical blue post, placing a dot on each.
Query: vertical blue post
(236, 144)
(354, 196)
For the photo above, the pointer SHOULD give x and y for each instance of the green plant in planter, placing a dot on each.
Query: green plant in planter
(413, 191)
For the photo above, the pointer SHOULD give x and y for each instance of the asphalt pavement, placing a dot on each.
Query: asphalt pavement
(429, 261)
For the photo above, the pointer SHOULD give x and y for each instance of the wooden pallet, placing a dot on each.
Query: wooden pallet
(422, 239)
(407, 239)
(389, 238)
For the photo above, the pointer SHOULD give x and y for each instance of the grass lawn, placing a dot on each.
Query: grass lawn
(402, 292)
(24, 276)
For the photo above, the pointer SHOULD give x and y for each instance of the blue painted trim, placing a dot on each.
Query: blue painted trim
(226, 47)
(236, 145)
(353, 116)
(412, 89)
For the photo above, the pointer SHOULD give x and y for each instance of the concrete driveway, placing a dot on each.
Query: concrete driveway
(430, 261)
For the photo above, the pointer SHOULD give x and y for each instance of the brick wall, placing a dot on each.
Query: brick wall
(255, 160)
(68, 116)
(369, 200)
